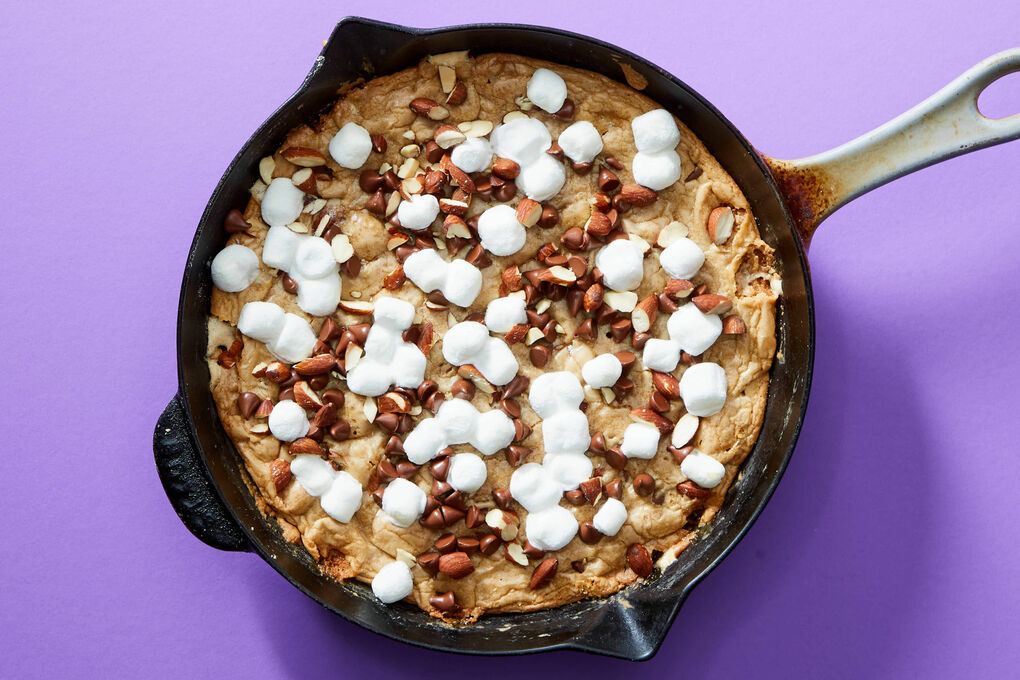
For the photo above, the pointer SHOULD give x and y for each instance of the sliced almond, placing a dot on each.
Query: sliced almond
(352, 355)
(533, 336)
(430, 109)
(684, 430)
(447, 78)
(720, 224)
(370, 409)
(644, 314)
(394, 402)
(608, 394)
(513, 115)
(410, 186)
(357, 307)
(259, 428)
(298, 227)
(266, 167)
(448, 136)
(524, 104)
(258, 190)
(306, 397)
(469, 372)
(515, 554)
(475, 128)
(671, 233)
(407, 168)
(392, 202)
(304, 179)
(711, 303)
(315, 206)
(342, 248)
(304, 157)
(644, 245)
(406, 557)
(410, 151)
(651, 417)
(624, 301)
(543, 305)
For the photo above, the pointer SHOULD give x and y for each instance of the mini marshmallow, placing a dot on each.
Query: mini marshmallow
(569, 469)
(403, 502)
(463, 344)
(547, 90)
(656, 170)
(339, 493)
(314, 474)
(566, 432)
(343, 498)
(287, 336)
(310, 262)
(522, 140)
(703, 389)
(693, 330)
(555, 391)
(655, 131)
(351, 146)
(602, 371)
(689, 331)
(282, 203)
(640, 440)
(542, 179)
(295, 342)
(467, 472)
(287, 421)
(702, 469)
(682, 258)
(610, 517)
(234, 268)
(550, 529)
(458, 422)
(581, 142)
(503, 313)
(458, 281)
(472, 155)
(261, 321)
(388, 359)
(418, 212)
(534, 487)
(500, 232)
(622, 264)
(393, 582)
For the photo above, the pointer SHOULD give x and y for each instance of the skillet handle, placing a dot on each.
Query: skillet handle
(945, 125)
(184, 479)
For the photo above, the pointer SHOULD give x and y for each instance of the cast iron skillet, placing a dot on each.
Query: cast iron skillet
(201, 471)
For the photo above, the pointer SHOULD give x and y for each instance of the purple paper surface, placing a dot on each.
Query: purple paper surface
(892, 547)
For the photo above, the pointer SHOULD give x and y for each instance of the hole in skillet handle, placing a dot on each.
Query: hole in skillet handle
(186, 485)
(1001, 98)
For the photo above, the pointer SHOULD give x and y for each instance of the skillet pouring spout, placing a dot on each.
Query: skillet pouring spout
(943, 126)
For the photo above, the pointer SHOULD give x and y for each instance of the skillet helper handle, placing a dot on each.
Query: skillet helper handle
(188, 487)
(945, 125)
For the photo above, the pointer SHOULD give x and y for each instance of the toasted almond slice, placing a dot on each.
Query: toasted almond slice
(684, 430)
(352, 355)
(342, 248)
(266, 167)
(671, 233)
(298, 228)
(410, 151)
(720, 224)
(357, 307)
(475, 128)
(315, 206)
(641, 243)
(448, 136)
(513, 115)
(533, 336)
(621, 301)
(370, 409)
(258, 190)
(447, 78)
(543, 304)
(644, 313)
(392, 202)
(408, 168)
(304, 157)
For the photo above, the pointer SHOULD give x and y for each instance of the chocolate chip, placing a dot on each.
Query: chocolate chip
(489, 544)
(370, 181)
(658, 402)
(582, 168)
(426, 388)
(598, 443)
(440, 488)
(377, 496)
(510, 407)
(585, 330)
(589, 534)
(325, 416)
(388, 421)
(352, 267)
(474, 518)
(467, 544)
(692, 490)
(434, 519)
(613, 163)
(378, 143)
(620, 329)
(539, 355)
(681, 453)
(516, 387)
(463, 389)
(543, 573)
(451, 515)
(234, 223)
(406, 469)
(248, 403)
(574, 497)
(376, 203)
(440, 468)
(644, 484)
(578, 565)
(447, 543)
(394, 447)
(433, 152)
(616, 459)
(550, 217)
(591, 489)
(318, 382)
(575, 239)
(286, 394)
(506, 192)
(532, 552)
(620, 203)
(340, 430)
(502, 497)
(638, 340)
(694, 174)
(386, 471)
(521, 430)
(478, 257)
(429, 562)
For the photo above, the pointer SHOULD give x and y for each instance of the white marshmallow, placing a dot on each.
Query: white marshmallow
(295, 342)
(314, 474)
(703, 469)
(234, 268)
(310, 262)
(682, 258)
(351, 146)
(656, 170)
(550, 529)
(569, 469)
(622, 264)
(343, 498)
(581, 142)
(566, 432)
(703, 389)
(467, 472)
(602, 371)
(692, 330)
(459, 422)
(458, 281)
(403, 502)
(287, 421)
(500, 232)
(542, 179)
(660, 355)
(547, 90)
(534, 487)
(388, 359)
(610, 517)
(640, 440)
(261, 321)
(418, 212)
(522, 140)
(504, 313)
(655, 131)
(555, 391)
(472, 155)
(464, 344)
(282, 203)
(393, 582)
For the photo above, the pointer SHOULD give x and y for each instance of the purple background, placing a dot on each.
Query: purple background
(891, 547)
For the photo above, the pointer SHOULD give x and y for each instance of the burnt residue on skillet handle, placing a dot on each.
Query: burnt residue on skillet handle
(945, 125)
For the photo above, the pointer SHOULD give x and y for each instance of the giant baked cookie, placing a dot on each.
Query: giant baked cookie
(493, 334)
